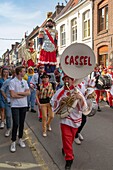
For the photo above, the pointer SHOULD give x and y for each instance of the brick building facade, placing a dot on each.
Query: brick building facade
(103, 31)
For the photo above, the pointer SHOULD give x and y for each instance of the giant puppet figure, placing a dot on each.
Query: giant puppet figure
(30, 55)
(48, 46)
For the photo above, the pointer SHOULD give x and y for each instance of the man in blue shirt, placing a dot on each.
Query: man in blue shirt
(6, 94)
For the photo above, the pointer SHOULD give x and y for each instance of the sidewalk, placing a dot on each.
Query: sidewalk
(26, 158)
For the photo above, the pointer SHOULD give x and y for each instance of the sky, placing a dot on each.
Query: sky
(18, 17)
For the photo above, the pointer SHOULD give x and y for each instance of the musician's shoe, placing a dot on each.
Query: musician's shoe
(49, 128)
(99, 110)
(107, 102)
(40, 119)
(44, 134)
(100, 100)
(63, 153)
(77, 141)
(111, 107)
(68, 164)
(80, 136)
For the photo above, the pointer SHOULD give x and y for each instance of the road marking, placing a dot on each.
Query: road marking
(36, 153)
(19, 165)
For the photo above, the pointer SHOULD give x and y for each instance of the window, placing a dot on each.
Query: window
(86, 24)
(74, 30)
(103, 55)
(63, 35)
(103, 18)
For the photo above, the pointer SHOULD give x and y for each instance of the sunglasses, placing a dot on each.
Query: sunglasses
(22, 84)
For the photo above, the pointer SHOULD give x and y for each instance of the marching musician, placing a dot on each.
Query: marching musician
(110, 71)
(97, 91)
(69, 124)
(83, 87)
(110, 91)
(78, 136)
(44, 93)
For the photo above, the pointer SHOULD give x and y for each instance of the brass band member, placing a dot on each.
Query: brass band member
(44, 93)
(69, 124)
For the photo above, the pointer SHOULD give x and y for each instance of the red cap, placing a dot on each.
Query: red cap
(66, 76)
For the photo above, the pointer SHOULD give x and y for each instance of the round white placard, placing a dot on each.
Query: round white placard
(78, 60)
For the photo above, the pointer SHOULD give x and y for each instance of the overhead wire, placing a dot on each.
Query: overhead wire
(8, 39)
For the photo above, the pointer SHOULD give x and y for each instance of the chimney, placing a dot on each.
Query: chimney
(17, 43)
(25, 35)
(59, 8)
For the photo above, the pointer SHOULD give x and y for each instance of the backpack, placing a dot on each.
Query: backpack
(103, 82)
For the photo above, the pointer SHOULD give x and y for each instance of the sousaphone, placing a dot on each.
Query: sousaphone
(77, 61)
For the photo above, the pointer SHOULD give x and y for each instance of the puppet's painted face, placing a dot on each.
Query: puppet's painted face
(49, 24)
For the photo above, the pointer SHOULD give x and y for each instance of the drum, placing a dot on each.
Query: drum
(104, 82)
(91, 99)
(94, 108)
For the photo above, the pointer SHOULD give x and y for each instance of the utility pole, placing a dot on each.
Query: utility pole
(8, 56)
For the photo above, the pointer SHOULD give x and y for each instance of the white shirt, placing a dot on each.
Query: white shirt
(75, 117)
(18, 86)
(34, 80)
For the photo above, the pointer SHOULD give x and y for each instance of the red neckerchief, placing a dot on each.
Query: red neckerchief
(31, 50)
(71, 87)
(62, 92)
(45, 84)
